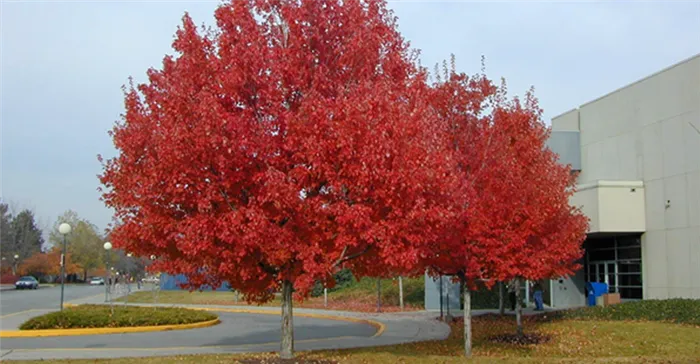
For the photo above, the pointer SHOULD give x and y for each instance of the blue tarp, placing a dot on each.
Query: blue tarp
(172, 283)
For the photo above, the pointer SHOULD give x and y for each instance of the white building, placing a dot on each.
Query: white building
(638, 153)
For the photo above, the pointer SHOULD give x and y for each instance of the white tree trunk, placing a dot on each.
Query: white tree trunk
(467, 320)
(379, 295)
(401, 292)
(325, 297)
(501, 299)
(287, 345)
(518, 308)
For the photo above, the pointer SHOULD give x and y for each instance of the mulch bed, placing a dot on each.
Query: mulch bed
(525, 339)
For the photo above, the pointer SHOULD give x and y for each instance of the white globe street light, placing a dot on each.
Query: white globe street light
(107, 246)
(14, 264)
(64, 229)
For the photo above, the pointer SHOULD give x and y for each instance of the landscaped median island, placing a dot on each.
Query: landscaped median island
(102, 316)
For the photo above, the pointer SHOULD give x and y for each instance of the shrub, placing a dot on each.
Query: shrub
(343, 279)
(8, 278)
(677, 310)
(93, 316)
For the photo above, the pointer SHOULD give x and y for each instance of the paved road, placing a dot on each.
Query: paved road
(238, 332)
(13, 301)
(234, 329)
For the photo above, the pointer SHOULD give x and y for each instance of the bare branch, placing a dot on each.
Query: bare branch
(353, 256)
(342, 256)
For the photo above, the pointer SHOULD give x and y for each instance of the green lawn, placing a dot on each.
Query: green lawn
(352, 296)
(357, 296)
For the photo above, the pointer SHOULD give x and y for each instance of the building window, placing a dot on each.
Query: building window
(617, 261)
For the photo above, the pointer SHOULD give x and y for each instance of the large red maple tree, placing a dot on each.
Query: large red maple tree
(295, 137)
(517, 221)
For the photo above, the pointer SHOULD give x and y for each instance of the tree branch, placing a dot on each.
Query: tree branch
(343, 259)
(226, 199)
(267, 268)
(342, 255)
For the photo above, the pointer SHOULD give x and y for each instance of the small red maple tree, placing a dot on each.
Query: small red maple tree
(516, 220)
(295, 138)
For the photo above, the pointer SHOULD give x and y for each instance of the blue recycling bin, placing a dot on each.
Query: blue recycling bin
(595, 290)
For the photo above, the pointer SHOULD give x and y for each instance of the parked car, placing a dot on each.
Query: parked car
(27, 282)
(97, 281)
(151, 279)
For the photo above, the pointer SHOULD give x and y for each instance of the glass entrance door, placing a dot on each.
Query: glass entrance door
(604, 272)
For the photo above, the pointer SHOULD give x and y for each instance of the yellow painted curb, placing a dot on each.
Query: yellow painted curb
(378, 325)
(104, 330)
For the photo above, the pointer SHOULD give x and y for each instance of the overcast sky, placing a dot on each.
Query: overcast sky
(63, 64)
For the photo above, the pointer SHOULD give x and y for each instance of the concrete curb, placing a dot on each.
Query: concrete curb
(105, 330)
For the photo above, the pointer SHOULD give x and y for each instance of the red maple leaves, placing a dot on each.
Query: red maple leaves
(301, 136)
(516, 221)
(279, 148)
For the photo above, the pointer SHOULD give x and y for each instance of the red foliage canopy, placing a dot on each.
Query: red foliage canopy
(293, 138)
(517, 221)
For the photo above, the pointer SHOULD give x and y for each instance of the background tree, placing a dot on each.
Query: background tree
(84, 242)
(295, 138)
(42, 264)
(6, 243)
(25, 237)
(38, 265)
(133, 265)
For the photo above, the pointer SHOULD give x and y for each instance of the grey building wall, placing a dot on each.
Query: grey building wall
(567, 144)
(650, 131)
(450, 292)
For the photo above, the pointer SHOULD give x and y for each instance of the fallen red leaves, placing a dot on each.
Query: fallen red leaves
(524, 339)
(284, 361)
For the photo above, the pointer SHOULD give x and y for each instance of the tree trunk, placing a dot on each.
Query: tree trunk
(467, 319)
(379, 295)
(518, 308)
(287, 346)
(401, 293)
(85, 274)
(501, 299)
(442, 317)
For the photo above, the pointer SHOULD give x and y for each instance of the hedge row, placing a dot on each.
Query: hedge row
(677, 310)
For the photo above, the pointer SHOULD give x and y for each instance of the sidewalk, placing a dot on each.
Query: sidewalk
(6, 287)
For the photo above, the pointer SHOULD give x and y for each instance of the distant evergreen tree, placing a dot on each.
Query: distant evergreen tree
(25, 237)
(6, 243)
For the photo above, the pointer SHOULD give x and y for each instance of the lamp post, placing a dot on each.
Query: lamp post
(128, 278)
(156, 285)
(64, 229)
(107, 246)
(14, 264)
